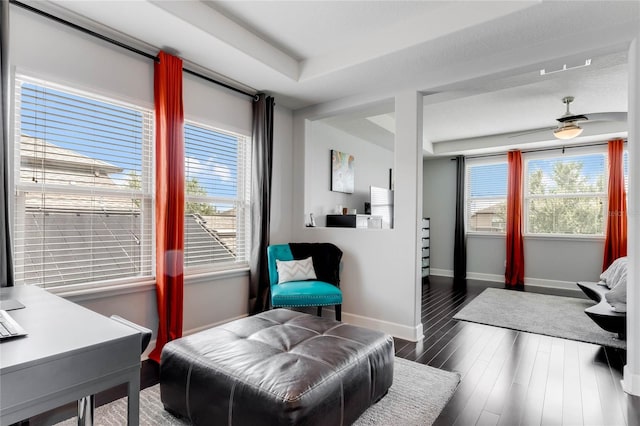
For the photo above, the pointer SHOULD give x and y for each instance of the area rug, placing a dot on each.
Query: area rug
(538, 313)
(417, 396)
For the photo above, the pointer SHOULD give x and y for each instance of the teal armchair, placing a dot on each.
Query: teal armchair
(323, 291)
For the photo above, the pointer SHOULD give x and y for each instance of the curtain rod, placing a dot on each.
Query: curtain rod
(123, 45)
(563, 148)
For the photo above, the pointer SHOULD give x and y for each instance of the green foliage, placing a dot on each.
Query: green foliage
(575, 214)
(134, 182)
(193, 188)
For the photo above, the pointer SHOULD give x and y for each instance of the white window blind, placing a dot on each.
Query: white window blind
(625, 166)
(566, 194)
(217, 179)
(486, 196)
(83, 209)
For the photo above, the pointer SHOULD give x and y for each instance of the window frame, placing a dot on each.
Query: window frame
(480, 161)
(145, 193)
(558, 154)
(242, 203)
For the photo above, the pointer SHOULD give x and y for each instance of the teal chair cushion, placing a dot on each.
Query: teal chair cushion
(305, 293)
(298, 293)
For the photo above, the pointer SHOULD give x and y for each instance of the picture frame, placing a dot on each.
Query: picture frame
(342, 172)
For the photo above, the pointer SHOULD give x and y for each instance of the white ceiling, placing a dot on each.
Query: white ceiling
(477, 62)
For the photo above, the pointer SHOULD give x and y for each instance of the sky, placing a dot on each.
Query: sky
(490, 180)
(113, 134)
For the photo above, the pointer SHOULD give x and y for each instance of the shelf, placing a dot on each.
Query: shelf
(425, 237)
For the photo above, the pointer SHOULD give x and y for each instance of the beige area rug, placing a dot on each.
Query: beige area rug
(417, 396)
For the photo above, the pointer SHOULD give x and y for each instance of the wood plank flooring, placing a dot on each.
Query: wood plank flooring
(516, 378)
(508, 377)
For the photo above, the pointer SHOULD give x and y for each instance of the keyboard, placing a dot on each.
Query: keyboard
(9, 327)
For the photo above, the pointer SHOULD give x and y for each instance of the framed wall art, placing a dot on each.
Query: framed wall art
(342, 172)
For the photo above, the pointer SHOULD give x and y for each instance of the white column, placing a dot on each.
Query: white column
(631, 381)
(408, 189)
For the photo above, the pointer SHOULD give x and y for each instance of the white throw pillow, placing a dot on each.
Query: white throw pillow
(616, 273)
(295, 270)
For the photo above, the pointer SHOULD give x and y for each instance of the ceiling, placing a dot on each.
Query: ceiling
(477, 62)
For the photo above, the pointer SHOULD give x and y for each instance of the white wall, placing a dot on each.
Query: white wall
(549, 261)
(282, 178)
(44, 49)
(372, 164)
(380, 275)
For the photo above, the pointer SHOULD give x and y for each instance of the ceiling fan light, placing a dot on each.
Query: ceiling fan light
(568, 131)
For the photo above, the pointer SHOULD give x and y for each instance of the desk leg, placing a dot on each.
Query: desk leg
(86, 406)
(133, 414)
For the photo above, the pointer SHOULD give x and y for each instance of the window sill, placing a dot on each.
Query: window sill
(79, 293)
(573, 238)
(487, 234)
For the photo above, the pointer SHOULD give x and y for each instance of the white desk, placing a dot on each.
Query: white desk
(70, 352)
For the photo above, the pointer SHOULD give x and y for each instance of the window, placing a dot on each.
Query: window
(83, 205)
(625, 170)
(565, 195)
(216, 198)
(486, 196)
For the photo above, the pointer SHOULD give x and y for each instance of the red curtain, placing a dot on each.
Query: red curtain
(615, 244)
(169, 129)
(514, 271)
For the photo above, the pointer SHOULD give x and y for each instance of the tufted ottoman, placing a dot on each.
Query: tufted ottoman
(276, 368)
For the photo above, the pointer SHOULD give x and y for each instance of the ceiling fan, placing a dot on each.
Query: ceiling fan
(568, 127)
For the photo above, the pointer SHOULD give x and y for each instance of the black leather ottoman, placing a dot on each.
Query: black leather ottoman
(276, 368)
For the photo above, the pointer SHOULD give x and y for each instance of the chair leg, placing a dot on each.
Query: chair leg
(319, 311)
(338, 312)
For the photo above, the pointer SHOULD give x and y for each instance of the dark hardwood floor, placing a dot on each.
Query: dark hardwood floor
(508, 377)
(516, 378)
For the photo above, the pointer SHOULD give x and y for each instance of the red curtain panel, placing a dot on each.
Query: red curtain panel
(514, 271)
(615, 244)
(169, 129)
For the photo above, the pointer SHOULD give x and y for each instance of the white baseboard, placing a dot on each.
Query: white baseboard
(405, 332)
(441, 272)
(485, 277)
(529, 282)
(152, 343)
(631, 382)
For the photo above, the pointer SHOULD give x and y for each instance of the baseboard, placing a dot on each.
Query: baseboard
(631, 382)
(441, 272)
(486, 277)
(528, 282)
(412, 334)
(564, 285)
(152, 343)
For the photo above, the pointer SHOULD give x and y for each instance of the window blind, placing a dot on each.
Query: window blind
(216, 198)
(625, 166)
(83, 209)
(486, 197)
